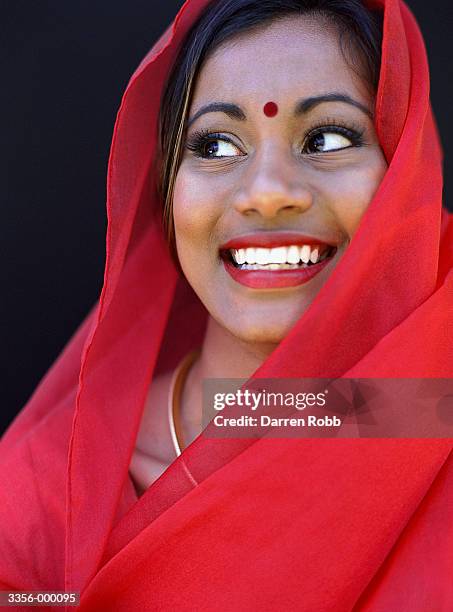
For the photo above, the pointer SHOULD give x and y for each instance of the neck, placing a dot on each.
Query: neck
(226, 356)
(222, 356)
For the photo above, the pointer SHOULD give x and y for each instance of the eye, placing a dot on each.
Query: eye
(216, 147)
(209, 146)
(327, 139)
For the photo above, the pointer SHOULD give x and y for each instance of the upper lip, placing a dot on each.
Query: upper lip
(271, 239)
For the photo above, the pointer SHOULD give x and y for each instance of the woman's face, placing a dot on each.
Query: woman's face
(251, 179)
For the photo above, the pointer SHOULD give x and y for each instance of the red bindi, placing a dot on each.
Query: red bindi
(270, 109)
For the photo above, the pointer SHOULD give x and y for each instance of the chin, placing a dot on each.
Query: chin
(259, 332)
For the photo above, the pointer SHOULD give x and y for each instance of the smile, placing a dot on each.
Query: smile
(273, 260)
(280, 258)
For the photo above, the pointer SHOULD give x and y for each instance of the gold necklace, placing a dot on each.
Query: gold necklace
(174, 399)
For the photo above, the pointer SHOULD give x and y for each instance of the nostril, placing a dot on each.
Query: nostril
(290, 207)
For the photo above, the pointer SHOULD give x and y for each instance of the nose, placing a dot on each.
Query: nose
(273, 185)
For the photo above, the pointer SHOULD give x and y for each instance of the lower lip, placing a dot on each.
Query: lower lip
(274, 279)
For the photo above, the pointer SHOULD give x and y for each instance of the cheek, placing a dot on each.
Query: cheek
(195, 215)
(188, 205)
(352, 193)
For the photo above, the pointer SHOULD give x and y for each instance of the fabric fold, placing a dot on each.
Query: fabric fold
(339, 551)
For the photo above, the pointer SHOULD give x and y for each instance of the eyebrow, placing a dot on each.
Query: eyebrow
(307, 104)
(303, 106)
(232, 110)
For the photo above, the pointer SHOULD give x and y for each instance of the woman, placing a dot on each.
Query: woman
(230, 523)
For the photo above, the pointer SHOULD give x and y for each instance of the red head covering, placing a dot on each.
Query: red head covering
(322, 524)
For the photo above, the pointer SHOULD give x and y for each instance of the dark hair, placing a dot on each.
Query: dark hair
(360, 34)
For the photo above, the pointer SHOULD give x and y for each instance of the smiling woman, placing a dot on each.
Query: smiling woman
(259, 211)
(275, 212)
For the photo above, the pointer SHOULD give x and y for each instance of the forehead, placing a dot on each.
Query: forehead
(294, 54)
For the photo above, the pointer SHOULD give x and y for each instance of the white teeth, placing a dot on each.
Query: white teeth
(276, 256)
(262, 256)
(239, 256)
(293, 255)
(250, 255)
(305, 253)
(314, 255)
(274, 266)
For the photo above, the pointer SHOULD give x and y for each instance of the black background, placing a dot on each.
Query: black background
(64, 67)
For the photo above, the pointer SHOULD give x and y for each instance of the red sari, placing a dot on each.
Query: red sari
(233, 524)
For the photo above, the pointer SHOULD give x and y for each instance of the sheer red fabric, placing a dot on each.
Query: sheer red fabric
(272, 524)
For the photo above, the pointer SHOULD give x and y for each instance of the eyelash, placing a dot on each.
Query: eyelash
(201, 138)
